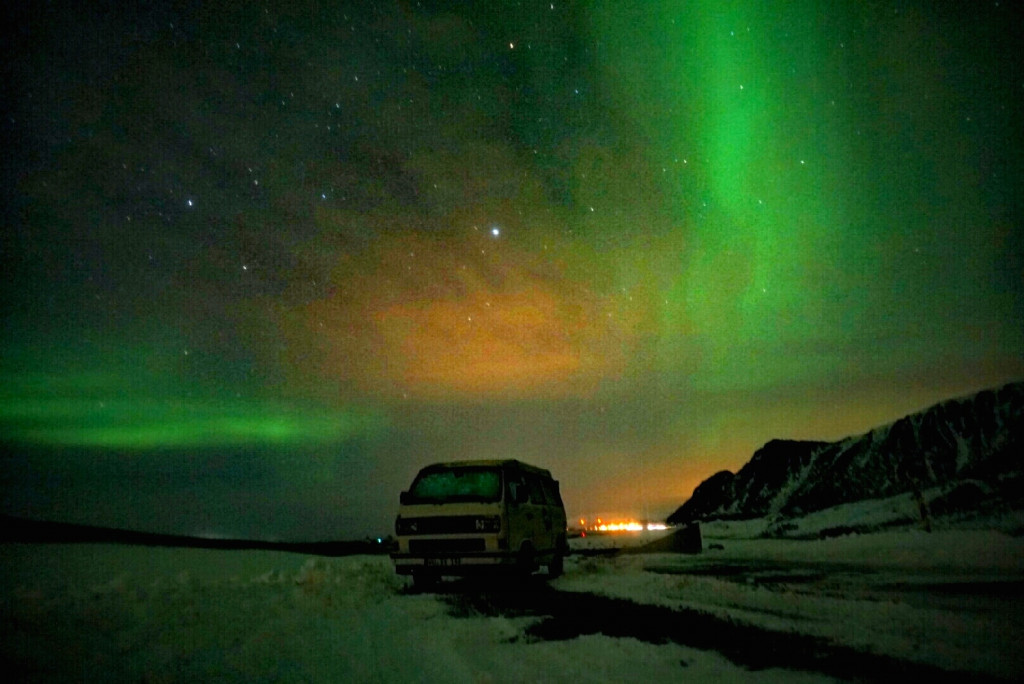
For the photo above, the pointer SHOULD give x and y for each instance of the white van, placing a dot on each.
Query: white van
(476, 516)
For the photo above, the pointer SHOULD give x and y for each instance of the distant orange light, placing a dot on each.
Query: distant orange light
(621, 526)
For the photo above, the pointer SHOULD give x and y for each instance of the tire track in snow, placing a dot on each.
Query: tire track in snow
(566, 615)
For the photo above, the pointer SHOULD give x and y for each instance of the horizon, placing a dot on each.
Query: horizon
(262, 266)
(617, 522)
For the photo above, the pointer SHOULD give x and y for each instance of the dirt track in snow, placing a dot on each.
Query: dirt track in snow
(563, 615)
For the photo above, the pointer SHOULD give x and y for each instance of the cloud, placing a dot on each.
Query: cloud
(463, 314)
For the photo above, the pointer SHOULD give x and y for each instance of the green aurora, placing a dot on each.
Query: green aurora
(830, 195)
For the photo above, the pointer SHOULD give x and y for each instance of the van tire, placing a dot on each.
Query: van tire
(557, 565)
(527, 561)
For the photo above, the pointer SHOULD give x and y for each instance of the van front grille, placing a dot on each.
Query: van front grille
(446, 545)
(447, 524)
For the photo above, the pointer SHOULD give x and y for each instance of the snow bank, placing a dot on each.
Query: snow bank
(118, 613)
(129, 613)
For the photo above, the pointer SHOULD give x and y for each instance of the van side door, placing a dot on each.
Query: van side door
(518, 525)
(557, 510)
(544, 524)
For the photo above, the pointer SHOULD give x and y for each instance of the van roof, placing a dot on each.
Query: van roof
(499, 462)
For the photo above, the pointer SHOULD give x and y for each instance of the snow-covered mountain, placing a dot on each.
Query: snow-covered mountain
(957, 459)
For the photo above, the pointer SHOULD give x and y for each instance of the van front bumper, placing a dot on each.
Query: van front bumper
(407, 564)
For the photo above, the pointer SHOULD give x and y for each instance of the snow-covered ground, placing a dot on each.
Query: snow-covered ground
(104, 612)
(953, 599)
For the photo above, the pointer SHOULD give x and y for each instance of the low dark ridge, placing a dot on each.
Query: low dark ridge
(24, 531)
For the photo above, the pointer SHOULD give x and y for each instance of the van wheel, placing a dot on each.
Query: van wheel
(526, 562)
(557, 565)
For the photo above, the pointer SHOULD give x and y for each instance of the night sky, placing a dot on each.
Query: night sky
(261, 263)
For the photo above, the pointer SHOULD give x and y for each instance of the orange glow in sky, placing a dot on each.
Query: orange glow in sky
(444, 316)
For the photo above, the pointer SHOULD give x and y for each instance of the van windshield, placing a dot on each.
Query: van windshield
(442, 485)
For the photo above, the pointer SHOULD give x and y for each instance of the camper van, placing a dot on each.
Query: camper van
(477, 516)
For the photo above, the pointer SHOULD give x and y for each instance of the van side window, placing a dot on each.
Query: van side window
(515, 485)
(551, 493)
(533, 483)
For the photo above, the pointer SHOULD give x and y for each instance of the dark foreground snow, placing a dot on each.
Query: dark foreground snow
(944, 603)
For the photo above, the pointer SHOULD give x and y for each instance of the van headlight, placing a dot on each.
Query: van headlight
(491, 523)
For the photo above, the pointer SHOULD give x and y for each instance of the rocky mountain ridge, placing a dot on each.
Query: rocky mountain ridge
(958, 458)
